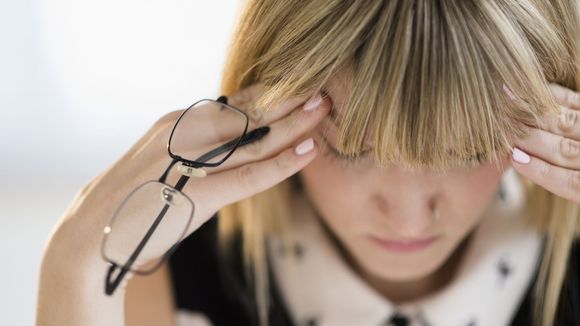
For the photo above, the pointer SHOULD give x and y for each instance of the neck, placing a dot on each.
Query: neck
(401, 292)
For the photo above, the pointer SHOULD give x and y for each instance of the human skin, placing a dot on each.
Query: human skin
(396, 203)
(72, 271)
(550, 155)
(71, 287)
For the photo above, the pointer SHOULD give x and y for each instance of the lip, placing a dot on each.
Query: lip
(404, 246)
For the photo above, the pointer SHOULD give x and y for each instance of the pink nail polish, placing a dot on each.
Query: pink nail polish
(305, 146)
(313, 103)
(520, 157)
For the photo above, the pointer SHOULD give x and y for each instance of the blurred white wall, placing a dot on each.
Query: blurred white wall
(80, 81)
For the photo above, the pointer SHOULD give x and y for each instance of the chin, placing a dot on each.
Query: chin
(403, 267)
(411, 271)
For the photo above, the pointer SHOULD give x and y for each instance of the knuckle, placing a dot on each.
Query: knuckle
(241, 97)
(255, 114)
(245, 174)
(567, 119)
(246, 95)
(574, 181)
(569, 148)
(572, 97)
(247, 105)
(544, 169)
(283, 162)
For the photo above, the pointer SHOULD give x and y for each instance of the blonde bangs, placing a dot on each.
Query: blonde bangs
(425, 82)
(426, 77)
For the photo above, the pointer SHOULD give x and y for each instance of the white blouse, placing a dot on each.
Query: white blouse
(492, 278)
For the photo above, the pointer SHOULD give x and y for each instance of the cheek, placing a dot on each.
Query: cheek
(323, 178)
(468, 194)
(328, 184)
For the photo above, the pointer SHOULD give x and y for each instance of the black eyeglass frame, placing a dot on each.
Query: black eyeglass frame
(246, 138)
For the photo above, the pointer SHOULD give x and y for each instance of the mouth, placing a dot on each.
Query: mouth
(411, 245)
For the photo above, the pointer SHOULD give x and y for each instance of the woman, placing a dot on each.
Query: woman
(412, 215)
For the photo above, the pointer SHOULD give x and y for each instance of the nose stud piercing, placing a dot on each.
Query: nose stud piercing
(436, 214)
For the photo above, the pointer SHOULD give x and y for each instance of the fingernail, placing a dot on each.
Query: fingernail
(313, 103)
(520, 157)
(305, 146)
(509, 93)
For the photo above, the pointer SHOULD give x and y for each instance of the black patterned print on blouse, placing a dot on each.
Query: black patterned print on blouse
(504, 270)
(397, 319)
(298, 250)
(311, 321)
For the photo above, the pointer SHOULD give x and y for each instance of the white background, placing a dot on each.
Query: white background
(80, 81)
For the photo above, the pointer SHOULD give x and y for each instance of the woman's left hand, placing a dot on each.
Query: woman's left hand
(550, 156)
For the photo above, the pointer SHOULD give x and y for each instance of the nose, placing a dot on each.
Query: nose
(408, 207)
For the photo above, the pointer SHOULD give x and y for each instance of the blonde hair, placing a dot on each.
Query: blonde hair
(430, 76)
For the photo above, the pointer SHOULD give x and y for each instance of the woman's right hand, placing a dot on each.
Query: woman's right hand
(72, 270)
(252, 168)
(257, 166)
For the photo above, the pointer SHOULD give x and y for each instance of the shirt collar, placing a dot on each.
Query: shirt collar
(319, 288)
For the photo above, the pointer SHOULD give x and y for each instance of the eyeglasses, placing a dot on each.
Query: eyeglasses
(156, 215)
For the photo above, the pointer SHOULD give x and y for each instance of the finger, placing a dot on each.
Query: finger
(564, 123)
(282, 134)
(246, 95)
(558, 180)
(555, 149)
(565, 96)
(245, 100)
(218, 190)
(209, 127)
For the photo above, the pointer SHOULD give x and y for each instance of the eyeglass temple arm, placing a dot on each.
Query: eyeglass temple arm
(111, 285)
(248, 138)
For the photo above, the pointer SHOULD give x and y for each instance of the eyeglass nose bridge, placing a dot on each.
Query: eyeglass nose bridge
(191, 171)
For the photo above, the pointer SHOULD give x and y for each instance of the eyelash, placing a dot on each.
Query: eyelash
(477, 159)
(346, 160)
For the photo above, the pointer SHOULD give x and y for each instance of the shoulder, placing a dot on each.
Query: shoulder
(568, 309)
(569, 303)
(206, 284)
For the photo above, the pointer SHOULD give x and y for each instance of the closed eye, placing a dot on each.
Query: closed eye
(342, 157)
